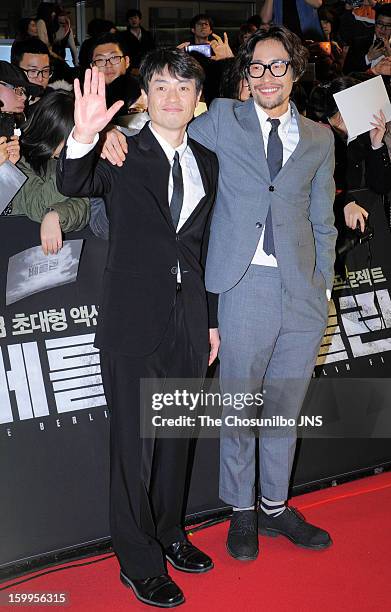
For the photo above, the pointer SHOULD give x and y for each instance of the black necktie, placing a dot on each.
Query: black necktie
(274, 161)
(177, 192)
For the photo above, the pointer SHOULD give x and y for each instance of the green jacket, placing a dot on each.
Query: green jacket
(38, 194)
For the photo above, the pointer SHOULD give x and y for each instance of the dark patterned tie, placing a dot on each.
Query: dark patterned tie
(274, 161)
(177, 192)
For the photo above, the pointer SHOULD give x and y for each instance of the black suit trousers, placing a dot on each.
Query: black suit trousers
(147, 477)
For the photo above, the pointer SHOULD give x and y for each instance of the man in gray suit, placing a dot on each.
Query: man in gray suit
(270, 259)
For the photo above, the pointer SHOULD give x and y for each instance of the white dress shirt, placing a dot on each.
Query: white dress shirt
(193, 189)
(288, 132)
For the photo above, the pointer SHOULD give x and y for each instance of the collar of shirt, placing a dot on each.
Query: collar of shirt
(285, 119)
(167, 148)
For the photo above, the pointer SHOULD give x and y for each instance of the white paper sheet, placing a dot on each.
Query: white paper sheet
(11, 180)
(359, 103)
(31, 271)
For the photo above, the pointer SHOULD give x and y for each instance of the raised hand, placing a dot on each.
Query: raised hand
(377, 132)
(91, 113)
(375, 51)
(221, 47)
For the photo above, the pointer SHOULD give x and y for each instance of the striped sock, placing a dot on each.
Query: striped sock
(272, 508)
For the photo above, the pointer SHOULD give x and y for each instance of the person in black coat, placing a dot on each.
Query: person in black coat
(155, 313)
(138, 39)
(363, 167)
(372, 43)
(110, 55)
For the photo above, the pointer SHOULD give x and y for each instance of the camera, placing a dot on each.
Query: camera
(352, 238)
(7, 124)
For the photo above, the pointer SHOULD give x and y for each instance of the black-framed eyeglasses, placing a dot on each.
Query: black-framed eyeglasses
(19, 91)
(102, 63)
(33, 73)
(383, 26)
(278, 68)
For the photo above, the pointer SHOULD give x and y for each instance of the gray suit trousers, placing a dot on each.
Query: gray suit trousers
(269, 340)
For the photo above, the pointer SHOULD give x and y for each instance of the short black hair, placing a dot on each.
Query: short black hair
(382, 9)
(201, 17)
(23, 26)
(97, 27)
(31, 45)
(179, 64)
(298, 54)
(107, 39)
(133, 13)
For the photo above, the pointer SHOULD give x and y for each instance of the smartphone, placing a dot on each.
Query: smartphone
(7, 125)
(204, 49)
(355, 3)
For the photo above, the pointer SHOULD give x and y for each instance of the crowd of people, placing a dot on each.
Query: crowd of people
(343, 42)
(183, 283)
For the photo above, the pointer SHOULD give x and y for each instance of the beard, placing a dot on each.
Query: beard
(269, 103)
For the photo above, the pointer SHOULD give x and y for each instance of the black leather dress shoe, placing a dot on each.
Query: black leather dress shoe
(158, 591)
(187, 558)
(292, 524)
(242, 540)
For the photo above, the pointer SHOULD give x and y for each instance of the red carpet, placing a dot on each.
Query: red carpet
(352, 575)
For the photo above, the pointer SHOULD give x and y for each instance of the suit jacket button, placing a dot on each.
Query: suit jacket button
(271, 188)
(174, 270)
(258, 225)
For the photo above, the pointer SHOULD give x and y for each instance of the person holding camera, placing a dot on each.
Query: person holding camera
(363, 166)
(14, 91)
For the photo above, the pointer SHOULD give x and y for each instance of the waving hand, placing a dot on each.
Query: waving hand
(91, 114)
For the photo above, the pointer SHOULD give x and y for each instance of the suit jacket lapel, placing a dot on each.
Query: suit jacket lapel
(302, 145)
(158, 171)
(205, 177)
(253, 138)
(248, 118)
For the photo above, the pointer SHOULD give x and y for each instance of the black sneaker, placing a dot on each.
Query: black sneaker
(292, 524)
(242, 540)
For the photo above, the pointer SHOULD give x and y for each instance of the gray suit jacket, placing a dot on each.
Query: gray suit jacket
(301, 197)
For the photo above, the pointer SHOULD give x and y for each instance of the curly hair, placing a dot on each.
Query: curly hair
(298, 54)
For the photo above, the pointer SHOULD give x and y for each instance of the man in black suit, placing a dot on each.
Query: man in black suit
(137, 38)
(155, 313)
(373, 45)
